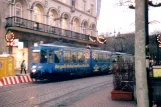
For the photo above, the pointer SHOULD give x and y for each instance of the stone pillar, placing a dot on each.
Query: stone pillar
(141, 34)
(45, 19)
(81, 29)
(71, 26)
(31, 14)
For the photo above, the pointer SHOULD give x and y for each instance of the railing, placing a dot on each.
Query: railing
(36, 26)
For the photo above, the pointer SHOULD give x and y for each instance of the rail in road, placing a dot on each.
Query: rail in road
(51, 94)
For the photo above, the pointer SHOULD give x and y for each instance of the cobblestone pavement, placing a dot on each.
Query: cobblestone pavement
(83, 92)
(49, 94)
(102, 99)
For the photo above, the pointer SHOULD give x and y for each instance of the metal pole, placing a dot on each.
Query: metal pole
(141, 41)
(10, 49)
(157, 54)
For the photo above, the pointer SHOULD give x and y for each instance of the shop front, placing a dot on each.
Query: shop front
(20, 53)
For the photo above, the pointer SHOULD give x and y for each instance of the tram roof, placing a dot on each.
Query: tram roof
(71, 47)
(60, 46)
(120, 53)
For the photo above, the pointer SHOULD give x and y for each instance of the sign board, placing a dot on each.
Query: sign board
(20, 45)
(156, 71)
(15, 42)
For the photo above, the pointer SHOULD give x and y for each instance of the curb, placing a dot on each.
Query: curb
(15, 80)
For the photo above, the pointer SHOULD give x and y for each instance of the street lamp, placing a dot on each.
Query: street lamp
(153, 3)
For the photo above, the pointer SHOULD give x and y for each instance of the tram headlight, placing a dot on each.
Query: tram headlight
(33, 67)
(33, 70)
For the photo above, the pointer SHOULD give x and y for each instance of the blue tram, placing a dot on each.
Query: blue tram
(51, 61)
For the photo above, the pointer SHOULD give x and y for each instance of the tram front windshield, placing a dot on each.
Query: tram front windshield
(35, 56)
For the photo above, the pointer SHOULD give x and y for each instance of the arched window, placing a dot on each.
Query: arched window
(76, 25)
(65, 22)
(38, 14)
(52, 15)
(84, 27)
(18, 9)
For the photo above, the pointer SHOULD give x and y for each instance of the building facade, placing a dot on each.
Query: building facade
(31, 21)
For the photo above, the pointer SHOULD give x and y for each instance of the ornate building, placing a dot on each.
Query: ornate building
(30, 21)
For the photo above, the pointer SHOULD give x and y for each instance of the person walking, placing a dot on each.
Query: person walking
(23, 66)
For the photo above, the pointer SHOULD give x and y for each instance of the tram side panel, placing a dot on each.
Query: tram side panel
(49, 62)
(101, 61)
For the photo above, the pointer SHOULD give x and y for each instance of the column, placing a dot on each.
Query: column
(141, 33)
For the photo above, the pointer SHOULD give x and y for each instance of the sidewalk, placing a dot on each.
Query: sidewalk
(102, 99)
(17, 72)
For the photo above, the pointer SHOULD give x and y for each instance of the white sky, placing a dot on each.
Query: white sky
(122, 19)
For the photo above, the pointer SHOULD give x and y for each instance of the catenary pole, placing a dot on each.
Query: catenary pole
(141, 47)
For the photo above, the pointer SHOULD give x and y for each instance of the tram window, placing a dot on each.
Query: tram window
(104, 58)
(100, 57)
(96, 57)
(36, 57)
(67, 56)
(74, 57)
(57, 56)
(43, 56)
(81, 57)
(108, 57)
(50, 58)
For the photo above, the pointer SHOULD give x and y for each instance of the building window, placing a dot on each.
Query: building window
(76, 25)
(38, 14)
(52, 15)
(18, 10)
(65, 22)
(84, 27)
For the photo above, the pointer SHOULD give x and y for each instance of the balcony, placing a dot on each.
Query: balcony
(21, 24)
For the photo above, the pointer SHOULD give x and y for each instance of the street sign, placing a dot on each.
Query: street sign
(15, 42)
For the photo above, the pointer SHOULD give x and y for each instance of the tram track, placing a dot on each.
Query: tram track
(74, 95)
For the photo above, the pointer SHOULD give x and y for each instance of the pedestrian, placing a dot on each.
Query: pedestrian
(23, 66)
